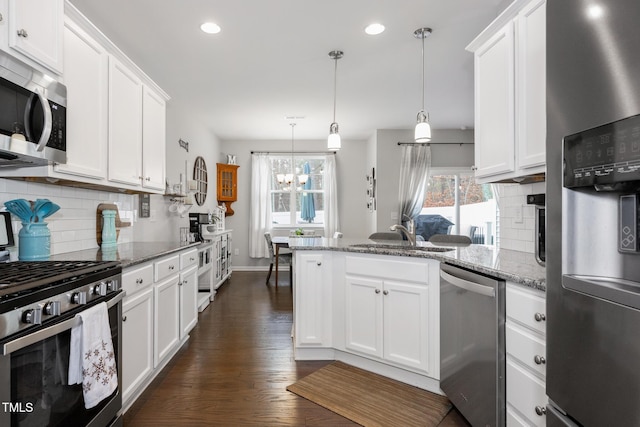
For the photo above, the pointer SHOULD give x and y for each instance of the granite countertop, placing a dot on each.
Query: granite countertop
(127, 253)
(514, 266)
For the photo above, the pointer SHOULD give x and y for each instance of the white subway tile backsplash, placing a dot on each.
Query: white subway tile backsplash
(73, 227)
(518, 236)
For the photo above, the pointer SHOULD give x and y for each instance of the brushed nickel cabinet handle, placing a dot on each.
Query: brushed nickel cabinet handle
(540, 317)
(23, 33)
(377, 291)
(541, 410)
(386, 292)
(539, 360)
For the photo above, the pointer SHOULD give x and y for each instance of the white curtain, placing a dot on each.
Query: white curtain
(260, 216)
(331, 221)
(414, 176)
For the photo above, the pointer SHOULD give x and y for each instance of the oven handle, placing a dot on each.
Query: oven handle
(42, 334)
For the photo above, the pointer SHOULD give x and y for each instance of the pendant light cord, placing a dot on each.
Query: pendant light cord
(423, 36)
(335, 84)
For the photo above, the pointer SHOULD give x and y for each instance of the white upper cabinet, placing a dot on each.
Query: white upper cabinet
(153, 140)
(510, 94)
(86, 77)
(125, 125)
(34, 31)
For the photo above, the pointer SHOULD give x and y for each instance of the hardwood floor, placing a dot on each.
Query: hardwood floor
(236, 366)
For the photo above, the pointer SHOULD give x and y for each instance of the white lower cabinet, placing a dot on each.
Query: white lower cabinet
(312, 293)
(158, 312)
(188, 300)
(390, 312)
(137, 341)
(166, 317)
(526, 356)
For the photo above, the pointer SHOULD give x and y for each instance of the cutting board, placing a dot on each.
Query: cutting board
(119, 224)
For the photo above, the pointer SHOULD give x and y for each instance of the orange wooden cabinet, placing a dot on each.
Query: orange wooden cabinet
(227, 183)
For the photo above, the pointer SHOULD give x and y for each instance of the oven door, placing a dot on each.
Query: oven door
(34, 372)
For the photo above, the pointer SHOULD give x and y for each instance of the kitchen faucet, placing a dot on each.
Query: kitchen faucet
(410, 232)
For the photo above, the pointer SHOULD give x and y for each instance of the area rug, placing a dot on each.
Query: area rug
(370, 399)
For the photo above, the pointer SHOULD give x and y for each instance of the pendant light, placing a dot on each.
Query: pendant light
(423, 128)
(333, 142)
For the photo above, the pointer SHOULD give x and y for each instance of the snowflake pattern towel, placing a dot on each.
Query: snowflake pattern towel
(92, 361)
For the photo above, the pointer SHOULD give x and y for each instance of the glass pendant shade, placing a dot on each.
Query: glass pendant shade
(423, 128)
(333, 142)
(302, 178)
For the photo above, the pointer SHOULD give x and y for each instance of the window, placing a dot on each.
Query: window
(294, 204)
(455, 204)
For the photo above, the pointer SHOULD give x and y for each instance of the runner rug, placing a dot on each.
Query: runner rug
(370, 399)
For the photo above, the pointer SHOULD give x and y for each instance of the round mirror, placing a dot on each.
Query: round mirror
(201, 179)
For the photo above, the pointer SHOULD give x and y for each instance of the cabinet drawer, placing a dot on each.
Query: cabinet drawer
(136, 279)
(166, 267)
(525, 392)
(188, 259)
(386, 268)
(527, 307)
(525, 346)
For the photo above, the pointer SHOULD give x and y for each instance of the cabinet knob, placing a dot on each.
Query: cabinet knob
(1, 17)
(124, 318)
(319, 263)
(539, 360)
(541, 410)
(540, 317)
(179, 283)
(139, 281)
(148, 178)
(23, 33)
(385, 292)
(171, 267)
(377, 291)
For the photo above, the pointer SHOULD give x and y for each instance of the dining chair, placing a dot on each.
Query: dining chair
(385, 235)
(285, 258)
(450, 238)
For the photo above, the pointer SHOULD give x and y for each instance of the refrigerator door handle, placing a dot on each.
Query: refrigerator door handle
(488, 291)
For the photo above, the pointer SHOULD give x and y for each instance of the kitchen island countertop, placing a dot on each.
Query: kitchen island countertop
(514, 266)
(128, 254)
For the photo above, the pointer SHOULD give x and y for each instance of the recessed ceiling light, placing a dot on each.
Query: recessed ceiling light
(210, 28)
(374, 29)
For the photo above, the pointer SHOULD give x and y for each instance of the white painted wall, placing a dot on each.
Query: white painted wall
(350, 168)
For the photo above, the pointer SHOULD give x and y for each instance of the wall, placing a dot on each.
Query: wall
(388, 154)
(350, 169)
(515, 234)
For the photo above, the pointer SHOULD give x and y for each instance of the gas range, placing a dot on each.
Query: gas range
(40, 292)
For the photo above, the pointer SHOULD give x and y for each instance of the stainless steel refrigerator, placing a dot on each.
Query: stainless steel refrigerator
(593, 212)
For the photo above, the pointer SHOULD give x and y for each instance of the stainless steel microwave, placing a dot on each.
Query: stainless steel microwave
(33, 116)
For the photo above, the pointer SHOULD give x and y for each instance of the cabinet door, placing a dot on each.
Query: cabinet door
(137, 341)
(494, 104)
(188, 300)
(312, 300)
(36, 31)
(125, 125)
(86, 65)
(531, 85)
(153, 140)
(406, 324)
(166, 315)
(363, 308)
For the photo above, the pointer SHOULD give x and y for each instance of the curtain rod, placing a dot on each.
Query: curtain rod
(435, 143)
(295, 152)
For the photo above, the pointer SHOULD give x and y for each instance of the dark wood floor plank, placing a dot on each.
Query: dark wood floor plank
(236, 366)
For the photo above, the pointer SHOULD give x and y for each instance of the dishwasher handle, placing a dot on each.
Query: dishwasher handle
(477, 288)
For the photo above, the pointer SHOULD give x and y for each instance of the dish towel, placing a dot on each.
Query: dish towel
(92, 360)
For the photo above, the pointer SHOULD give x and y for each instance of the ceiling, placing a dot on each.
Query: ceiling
(271, 61)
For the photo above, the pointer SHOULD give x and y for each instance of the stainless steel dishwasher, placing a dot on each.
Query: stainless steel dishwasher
(472, 348)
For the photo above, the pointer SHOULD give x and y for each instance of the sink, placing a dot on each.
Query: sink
(401, 247)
